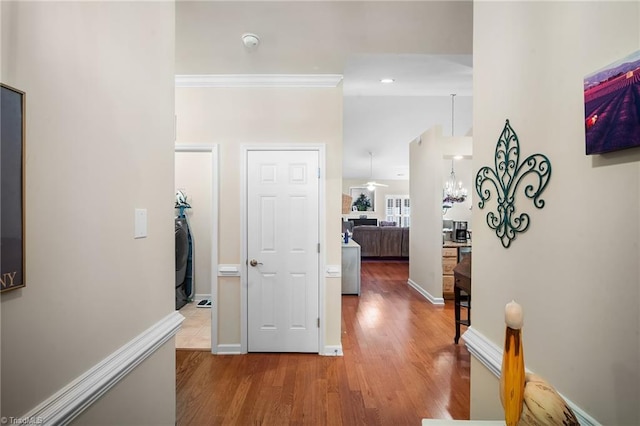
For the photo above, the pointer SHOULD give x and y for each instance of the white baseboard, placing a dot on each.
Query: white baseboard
(229, 349)
(69, 402)
(425, 293)
(235, 349)
(332, 350)
(199, 297)
(490, 355)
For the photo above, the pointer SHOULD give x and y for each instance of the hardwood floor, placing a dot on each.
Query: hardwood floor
(400, 365)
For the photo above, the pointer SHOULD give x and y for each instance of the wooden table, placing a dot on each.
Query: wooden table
(462, 293)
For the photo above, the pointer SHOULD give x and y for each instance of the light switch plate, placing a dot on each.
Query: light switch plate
(140, 227)
(333, 271)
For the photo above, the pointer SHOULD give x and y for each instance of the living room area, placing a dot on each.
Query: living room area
(378, 220)
(403, 142)
(381, 119)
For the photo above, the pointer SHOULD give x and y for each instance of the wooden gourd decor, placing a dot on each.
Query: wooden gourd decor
(527, 398)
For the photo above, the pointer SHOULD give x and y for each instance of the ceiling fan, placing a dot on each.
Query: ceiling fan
(371, 185)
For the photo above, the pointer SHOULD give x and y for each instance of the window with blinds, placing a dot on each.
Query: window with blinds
(398, 210)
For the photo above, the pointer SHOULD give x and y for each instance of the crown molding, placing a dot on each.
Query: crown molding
(258, 80)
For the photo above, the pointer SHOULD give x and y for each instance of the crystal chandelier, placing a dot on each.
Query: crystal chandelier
(453, 191)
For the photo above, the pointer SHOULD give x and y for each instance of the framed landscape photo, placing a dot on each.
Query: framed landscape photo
(362, 199)
(611, 105)
(12, 151)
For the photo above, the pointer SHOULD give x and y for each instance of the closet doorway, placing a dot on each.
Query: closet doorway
(196, 176)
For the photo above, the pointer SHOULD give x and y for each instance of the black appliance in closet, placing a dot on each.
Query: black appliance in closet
(185, 271)
(182, 261)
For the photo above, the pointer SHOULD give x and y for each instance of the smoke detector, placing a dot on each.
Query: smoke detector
(250, 41)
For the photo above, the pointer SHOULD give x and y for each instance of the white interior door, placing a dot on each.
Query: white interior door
(282, 250)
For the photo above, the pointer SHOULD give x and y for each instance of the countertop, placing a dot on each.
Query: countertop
(351, 243)
(447, 243)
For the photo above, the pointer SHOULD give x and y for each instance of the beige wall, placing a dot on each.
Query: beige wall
(131, 402)
(425, 270)
(194, 176)
(99, 137)
(242, 116)
(428, 172)
(396, 187)
(574, 271)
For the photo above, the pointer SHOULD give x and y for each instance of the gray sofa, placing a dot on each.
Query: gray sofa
(382, 241)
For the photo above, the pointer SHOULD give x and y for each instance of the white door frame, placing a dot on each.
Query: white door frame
(215, 178)
(244, 319)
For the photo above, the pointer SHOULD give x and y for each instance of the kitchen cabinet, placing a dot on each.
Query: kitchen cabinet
(452, 254)
(449, 261)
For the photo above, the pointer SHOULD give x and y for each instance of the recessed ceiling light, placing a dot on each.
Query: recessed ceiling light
(386, 80)
(458, 157)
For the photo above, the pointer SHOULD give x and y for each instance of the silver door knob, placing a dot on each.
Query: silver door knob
(254, 262)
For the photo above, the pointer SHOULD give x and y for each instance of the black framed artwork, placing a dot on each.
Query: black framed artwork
(12, 150)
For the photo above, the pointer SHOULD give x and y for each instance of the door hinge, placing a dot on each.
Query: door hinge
(318, 172)
(318, 247)
(318, 322)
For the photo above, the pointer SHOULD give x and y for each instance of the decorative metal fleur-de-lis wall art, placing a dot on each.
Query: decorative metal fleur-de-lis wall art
(506, 178)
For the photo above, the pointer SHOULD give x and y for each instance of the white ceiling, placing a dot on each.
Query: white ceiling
(384, 118)
(424, 45)
(414, 74)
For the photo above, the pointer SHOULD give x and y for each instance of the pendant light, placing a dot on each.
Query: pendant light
(453, 191)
